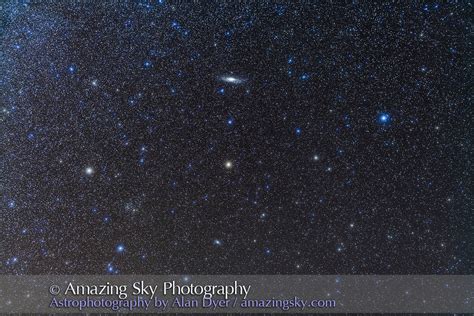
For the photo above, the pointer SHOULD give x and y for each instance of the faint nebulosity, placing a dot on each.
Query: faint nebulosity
(235, 137)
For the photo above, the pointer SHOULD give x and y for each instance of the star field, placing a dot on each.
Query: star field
(235, 138)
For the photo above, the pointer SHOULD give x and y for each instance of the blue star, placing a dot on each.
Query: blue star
(120, 248)
(110, 268)
(11, 204)
(132, 100)
(298, 131)
(175, 25)
(304, 77)
(147, 64)
(12, 261)
(221, 91)
(230, 121)
(72, 69)
(217, 242)
(384, 118)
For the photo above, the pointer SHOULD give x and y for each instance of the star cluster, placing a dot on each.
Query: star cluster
(235, 138)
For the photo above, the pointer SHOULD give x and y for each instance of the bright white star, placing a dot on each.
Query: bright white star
(89, 171)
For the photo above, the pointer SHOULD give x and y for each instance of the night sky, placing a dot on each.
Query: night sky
(235, 138)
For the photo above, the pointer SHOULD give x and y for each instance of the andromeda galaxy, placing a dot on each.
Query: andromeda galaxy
(232, 79)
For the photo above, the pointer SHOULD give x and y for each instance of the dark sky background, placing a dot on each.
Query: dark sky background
(236, 138)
